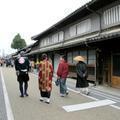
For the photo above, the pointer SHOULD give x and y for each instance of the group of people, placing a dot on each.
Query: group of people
(45, 76)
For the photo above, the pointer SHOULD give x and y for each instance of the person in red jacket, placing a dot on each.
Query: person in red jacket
(62, 73)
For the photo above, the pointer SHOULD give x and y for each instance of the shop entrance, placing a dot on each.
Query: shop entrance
(116, 70)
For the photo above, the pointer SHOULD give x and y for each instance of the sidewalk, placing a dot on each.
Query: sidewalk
(108, 89)
(102, 88)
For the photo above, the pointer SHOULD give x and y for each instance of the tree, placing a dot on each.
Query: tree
(18, 42)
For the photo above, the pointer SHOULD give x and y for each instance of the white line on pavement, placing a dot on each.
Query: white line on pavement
(83, 106)
(7, 103)
(82, 94)
(114, 106)
(93, 98)
(106, 96)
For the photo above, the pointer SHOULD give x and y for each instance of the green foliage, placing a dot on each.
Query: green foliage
(18, 42)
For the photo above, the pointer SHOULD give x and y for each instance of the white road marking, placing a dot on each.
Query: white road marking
(106, 96)
(114, 106)
(7, 103)
(83, 106)
(82, 94)
(93, 98)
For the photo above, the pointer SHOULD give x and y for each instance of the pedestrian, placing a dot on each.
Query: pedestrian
(45, 79)
(82, 74)
(22, 68)
(62, 73)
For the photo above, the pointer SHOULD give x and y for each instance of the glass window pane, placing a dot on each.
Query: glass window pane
(91, 54)
(72, 31)
(61, 35)
(91, 61)
(75, 53)
(116, 65)
(69, 57)
(84, 54)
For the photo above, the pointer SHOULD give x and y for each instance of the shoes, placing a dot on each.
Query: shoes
(21, 95)
(62, 95)
(67, 92)
(87, 93)
(47, 101)
(26, 94)
(41, 99)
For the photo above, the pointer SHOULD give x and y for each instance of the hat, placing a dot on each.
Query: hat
(79, 58)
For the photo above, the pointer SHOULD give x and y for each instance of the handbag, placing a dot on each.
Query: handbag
(57, 82)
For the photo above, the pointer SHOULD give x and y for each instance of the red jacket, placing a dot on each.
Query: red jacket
(62, 69)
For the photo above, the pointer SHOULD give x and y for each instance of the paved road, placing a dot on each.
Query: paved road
(30, 108)
(3, 114)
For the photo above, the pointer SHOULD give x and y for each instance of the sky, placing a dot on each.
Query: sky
(31, 17)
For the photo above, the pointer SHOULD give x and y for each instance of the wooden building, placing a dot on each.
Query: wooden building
(92, 31)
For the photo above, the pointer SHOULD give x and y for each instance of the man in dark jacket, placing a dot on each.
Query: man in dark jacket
(22, 68)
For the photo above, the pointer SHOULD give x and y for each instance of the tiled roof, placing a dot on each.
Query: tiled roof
(104, 37)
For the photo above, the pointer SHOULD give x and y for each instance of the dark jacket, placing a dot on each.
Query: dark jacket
(81, 70)
(22, 68)
(21, 64)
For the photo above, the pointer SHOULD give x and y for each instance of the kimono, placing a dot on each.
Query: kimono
(81, 70)
(45, 76)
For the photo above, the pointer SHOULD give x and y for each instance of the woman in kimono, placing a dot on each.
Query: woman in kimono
(45, 79)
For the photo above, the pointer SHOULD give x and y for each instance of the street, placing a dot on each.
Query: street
(97, 106)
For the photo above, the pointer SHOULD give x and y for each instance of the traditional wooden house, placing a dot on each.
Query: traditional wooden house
(92, 31)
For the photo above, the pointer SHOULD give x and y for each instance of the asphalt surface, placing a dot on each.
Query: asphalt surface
(30, 108)
(3, 114)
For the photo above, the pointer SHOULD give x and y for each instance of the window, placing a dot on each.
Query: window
(84, 54)
(72, 31)
(47, 41)
(55, 38)
(112, 15)
(69, 57)
(75, 53)
(91, 57)
(84, 26)
(116, 65)
(67, 34)
(50, 40)
(61, 36)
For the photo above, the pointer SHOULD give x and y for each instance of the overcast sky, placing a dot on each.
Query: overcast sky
(31, 17)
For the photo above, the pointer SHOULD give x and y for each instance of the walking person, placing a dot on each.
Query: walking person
(62, 73)
(45, 79)
(81, 70)
(22, 68)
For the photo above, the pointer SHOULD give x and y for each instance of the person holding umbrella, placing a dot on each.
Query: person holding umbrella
(81, 70)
